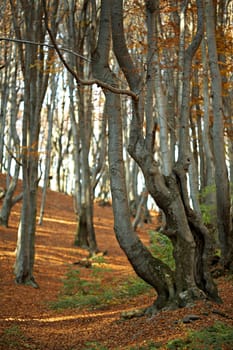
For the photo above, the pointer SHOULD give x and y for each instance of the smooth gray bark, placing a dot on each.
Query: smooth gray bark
(144, 264)
(82, 129)
(221, 174)
(50, 114)
(184, 227)
(13, 151)
(35, 85)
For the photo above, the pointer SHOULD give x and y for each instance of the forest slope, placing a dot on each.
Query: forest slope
(27, 321)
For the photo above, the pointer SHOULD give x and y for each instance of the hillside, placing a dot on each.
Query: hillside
(27, 321)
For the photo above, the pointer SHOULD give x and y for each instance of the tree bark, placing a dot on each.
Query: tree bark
(50, 113)
(189, 240)
(35, 85)
(146, 266)
(81, 103)
(221, 175)
(14, 144)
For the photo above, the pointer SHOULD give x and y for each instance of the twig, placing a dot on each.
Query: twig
(12, 155)
(28, 42)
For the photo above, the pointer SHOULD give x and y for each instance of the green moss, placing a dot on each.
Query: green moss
(214, 338)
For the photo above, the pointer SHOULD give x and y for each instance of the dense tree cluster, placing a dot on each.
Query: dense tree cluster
(123, 99)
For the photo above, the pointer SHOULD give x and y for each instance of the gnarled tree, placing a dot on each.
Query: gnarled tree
(192, 245)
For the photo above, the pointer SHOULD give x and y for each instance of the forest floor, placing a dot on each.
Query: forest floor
(28, 322)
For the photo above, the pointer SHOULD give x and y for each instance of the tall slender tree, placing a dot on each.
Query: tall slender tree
(221, 175)
(34, 64)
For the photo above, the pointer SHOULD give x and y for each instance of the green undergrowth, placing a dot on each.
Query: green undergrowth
(216, 337)
(94, 346)
(161, 247)
(98, 289)
(94, 292)
(14, 338)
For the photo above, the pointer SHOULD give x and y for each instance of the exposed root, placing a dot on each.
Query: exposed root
(28, 282)
(127, 315)
(188, 297)
(185, 299)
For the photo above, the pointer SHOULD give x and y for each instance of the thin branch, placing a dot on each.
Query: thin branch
(28, 42)
(12, 155)
(75, 75)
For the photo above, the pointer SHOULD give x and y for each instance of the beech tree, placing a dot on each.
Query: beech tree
(10, 158)
(192, 244)
(10, 139)
(89, 146)
(49, 121)
(224, 220)
(82, 123)
(161, 71)
(34, 62)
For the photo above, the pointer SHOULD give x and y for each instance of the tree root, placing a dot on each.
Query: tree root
(185, 299)
(127, 315)
(27, 282)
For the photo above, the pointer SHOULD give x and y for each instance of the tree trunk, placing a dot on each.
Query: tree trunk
(81, 237)
(142, 213)
(50, 113)
(14, 141)
(189, 237)
(4, 94)
(8, 200)
(82, 134)
(35, 85)
(146, 266)
(221, 176)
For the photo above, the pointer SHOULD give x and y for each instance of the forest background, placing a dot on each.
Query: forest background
(123, 101)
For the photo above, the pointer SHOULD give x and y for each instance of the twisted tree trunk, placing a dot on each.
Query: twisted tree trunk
(191, 278)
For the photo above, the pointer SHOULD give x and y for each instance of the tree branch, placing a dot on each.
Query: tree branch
(120, 48)
(28, 42)
(75, 75)
(12, 155)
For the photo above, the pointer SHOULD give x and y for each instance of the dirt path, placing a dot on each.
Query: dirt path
(26, 321)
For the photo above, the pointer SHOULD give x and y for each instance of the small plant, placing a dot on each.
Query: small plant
(132, 287)
(80, 292)
(93, 292)
(72, 283)
(94, 346)
(98, 259)
(162, 248)
(217, 337)
(148, 346)
(207, 213)
(13, 338)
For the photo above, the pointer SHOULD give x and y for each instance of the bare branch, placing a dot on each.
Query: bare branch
(75, 75)
(12, 155)
(28, 42)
